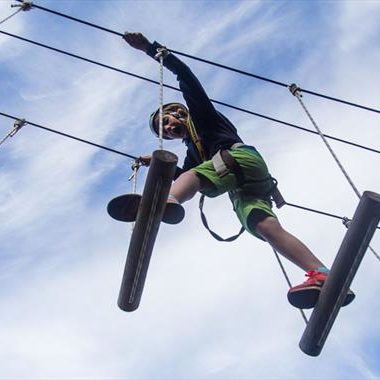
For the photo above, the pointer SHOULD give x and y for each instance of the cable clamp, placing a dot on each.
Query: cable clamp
(18, 124)
(25, 5)
(161, 52)
(346, 221)
(295, 90)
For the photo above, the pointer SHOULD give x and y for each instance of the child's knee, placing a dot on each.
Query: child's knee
(269, 227)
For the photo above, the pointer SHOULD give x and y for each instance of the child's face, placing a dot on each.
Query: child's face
(174, 123)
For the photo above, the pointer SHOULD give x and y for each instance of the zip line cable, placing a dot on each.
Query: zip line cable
(177, 89)
(343, 218)
(207, 61)
(69, 136)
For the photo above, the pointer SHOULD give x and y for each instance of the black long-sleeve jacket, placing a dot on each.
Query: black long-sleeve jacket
(213, 128)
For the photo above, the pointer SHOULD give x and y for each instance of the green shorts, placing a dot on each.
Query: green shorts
(251, 201)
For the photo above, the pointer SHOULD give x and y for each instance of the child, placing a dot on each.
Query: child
(217, 161)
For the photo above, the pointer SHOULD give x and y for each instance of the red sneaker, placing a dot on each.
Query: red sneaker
(305, 296)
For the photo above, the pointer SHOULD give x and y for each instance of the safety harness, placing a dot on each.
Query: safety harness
(224, 163)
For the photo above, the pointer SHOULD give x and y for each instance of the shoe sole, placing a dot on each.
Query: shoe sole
(308, 298)
(125, 207)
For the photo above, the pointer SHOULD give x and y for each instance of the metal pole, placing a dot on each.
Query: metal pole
(343, 270)
(149, 216)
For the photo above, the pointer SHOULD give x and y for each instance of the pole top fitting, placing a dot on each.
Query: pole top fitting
(136, 164)
(26, 5)
(346, 221)
(295, 90)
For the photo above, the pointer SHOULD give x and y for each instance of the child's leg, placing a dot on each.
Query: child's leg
(186, 186)
(287, 244)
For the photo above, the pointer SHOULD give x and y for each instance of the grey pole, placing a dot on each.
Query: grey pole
(343, 270)
(149, 216)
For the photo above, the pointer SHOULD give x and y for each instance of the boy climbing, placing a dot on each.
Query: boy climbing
(218, 161)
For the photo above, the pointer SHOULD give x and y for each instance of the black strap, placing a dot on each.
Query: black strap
(214, 234)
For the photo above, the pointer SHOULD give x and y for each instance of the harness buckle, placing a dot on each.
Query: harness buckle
(220, 166)
(277, 197)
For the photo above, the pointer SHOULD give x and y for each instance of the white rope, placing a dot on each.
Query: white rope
(161, 52)
(136, 164)
(13, 14)
(295, 90)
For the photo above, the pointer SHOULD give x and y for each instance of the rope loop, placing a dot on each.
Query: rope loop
(162, 52)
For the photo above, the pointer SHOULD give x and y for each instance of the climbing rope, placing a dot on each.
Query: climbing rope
(161, 54)
(296, 91)
(287, 280)
(18, 124)
(136, 165)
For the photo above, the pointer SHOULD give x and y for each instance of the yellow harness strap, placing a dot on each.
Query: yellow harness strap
(195, 138)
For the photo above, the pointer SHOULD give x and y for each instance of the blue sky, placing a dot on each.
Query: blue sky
(209, 310)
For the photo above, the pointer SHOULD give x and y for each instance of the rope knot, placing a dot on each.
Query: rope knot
(161, 52)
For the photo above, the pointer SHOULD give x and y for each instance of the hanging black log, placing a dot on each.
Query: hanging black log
(343, 270)
(160, 176)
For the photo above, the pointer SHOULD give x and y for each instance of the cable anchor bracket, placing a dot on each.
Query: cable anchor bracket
(25, 5)
(295, 90)
(346, 221)
(18, 124)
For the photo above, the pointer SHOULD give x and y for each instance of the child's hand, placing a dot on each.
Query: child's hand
(145, 160)
(137, 41)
